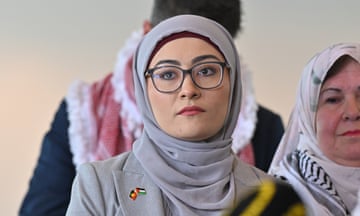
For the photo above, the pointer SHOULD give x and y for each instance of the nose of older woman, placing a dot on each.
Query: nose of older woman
(352, 109)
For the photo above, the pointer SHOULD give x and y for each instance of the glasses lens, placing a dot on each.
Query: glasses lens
(208, 75)
(167, 78)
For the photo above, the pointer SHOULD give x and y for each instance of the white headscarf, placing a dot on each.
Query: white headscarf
(195, 177)
(324, 185)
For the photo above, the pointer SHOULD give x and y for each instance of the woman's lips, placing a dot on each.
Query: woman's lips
(190, 110)
(352, 133)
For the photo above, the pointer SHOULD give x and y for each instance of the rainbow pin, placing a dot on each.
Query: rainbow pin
(137, 191)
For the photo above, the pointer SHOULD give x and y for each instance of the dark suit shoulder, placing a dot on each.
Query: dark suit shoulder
(265, 112)
(268, 132)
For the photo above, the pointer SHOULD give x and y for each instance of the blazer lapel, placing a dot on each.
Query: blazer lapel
(148, 201)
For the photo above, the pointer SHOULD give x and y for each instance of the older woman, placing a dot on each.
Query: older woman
(320, 151)
(188, 89)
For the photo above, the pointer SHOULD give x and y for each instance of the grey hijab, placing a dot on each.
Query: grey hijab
(196, 178)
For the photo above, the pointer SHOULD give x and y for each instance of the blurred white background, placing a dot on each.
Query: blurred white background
(45, 45)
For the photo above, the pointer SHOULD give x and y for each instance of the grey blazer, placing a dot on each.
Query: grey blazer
(103, 187)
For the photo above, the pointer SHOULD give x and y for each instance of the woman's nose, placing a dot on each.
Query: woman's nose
(189, 89)
(352, 109)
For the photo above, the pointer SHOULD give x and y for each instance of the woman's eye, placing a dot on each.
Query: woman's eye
(206, 71)
(167, 75)
(332, 100)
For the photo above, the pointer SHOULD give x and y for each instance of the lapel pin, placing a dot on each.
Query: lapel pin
(137, 191)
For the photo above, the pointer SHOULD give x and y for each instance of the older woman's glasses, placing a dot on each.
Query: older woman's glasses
(205, 75)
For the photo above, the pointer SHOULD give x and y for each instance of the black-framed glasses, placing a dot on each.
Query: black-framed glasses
(205, 75)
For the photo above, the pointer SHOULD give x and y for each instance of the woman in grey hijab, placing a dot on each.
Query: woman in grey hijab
(183, 163)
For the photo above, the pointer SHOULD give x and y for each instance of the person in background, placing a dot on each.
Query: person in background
(319, 154)
(99, 120)
(188, 90)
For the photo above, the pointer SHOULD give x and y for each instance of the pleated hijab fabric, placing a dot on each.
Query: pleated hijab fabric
(196, 178)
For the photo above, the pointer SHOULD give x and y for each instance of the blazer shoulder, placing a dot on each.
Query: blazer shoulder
(116, 163)
(101, 187)
(248, 174)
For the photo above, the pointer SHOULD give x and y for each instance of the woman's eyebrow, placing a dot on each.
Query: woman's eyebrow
(330, 89)
(203, 57)
(193, 61)
(168, 61)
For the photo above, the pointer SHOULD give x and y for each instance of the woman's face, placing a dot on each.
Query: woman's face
(338, 116)
(190, 113)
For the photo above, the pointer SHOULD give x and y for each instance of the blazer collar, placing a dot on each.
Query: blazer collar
(133, 176)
